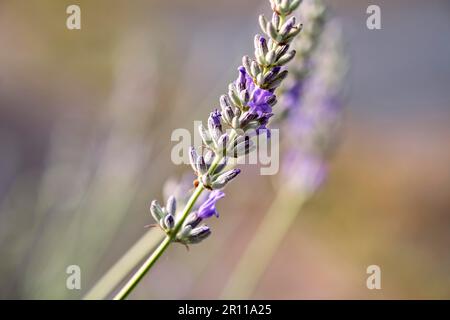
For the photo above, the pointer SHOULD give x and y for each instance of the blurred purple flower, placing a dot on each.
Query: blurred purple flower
(304, 171)
(292, 95)
(314, 109)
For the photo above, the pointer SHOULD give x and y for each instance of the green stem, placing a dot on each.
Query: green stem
(133, 282)
(263, 245)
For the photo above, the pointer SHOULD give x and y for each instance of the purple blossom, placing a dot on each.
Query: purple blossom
(208, 208)
(259, 102)
(259, 98)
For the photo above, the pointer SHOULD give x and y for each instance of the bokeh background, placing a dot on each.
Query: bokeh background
(85, 124)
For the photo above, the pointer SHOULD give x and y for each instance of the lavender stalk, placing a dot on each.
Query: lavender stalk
(313, 122)
(245, 111)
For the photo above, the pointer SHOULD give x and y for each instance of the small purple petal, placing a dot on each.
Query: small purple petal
(208, 208)
(261, 100)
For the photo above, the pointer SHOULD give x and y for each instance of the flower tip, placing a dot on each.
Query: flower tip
(242, 70)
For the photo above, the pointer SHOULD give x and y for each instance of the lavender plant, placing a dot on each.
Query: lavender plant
(244, 112)
(312, 125)
(315, 118)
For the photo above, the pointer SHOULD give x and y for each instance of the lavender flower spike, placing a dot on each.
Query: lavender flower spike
(246, 109)
(248, 106)
(253, 93)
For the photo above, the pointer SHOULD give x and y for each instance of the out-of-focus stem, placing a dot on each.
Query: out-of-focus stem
(264, 244)
(124, 265)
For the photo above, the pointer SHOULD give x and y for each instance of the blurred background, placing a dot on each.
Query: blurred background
(85, 124)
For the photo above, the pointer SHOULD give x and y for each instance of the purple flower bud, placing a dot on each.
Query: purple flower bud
(287, 27)
(224, 101)
(171, 206)
(156, 210)
(286, 58)
(276, 81)
(202, 168)
(215, 125)
(199, 234)
(214, 119)
(193, 158)
(226, 177)
(200, 231)
(275, 18)
(282, 50)
(244, 96)
(193, 220)
(169, 221)
(261, 44)
(271, 74)
(230, 175)
(241, 79)
(255, 69)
